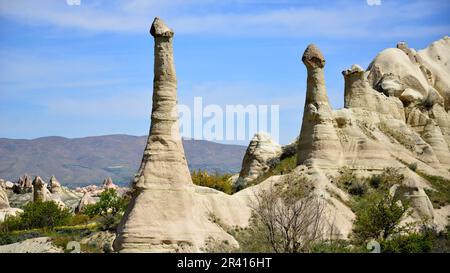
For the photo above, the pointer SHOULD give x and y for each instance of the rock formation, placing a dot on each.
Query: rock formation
(4, 203)
(318, 143)
(87, 199)
(40, 191)
(395, 114)
(54, 186)
(108, 184)
(23, 185)
(167, 213)
(34, 245)
(260, 151)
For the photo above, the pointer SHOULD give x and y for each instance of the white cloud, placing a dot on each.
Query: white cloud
(209, 17)
(373, 2)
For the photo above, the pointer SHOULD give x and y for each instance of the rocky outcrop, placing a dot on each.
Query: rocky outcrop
(23, 185)
(261, 150)
(421, 81)
(100, 240)
(108, 184)
(318, 143)
(9, 212)
(54, 186)
(167, 213)
(4, 203)
(40, 191)
(87, 199)
(35, 245)
(359, 94)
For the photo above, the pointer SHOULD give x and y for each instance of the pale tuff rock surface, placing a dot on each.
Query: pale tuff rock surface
(9, 212)
(394, 115)
(35, 245)
(261, 150)
(87, 199)
(4, 202)
(23, 185)
(100, 240)
(318, 142)
(54, 186)
(167, 213)
(40, 191)
(108, 184)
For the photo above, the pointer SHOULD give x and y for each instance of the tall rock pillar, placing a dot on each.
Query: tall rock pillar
(318, 143)
(163, 213)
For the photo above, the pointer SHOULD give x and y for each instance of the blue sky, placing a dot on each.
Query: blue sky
(82, 70)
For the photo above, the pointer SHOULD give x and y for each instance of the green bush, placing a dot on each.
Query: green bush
(109, 203)
(277, 167)
(78, 219)
(216, 181)
(413, 166)
(337, 246)
(386, 179)
(109, 222)
(410, 243)
(440, 196)
(350, 182)
(357, 188)
(10, 223)
(377, 217)
(46, 215)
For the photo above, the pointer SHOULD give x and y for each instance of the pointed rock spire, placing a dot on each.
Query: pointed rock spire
(164, 152)
(318, 142)
(160, 216)
(53, 185)
(40, 192)
(316, 91)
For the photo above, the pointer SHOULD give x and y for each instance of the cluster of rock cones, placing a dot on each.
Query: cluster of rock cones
(397, 112)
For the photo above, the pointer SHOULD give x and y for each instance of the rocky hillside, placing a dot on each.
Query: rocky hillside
(82, 161)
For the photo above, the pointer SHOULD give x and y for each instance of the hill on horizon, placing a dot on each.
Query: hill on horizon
(88, 160)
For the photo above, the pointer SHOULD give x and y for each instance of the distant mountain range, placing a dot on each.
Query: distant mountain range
(88, 160)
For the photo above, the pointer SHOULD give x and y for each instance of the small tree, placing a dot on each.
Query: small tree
(43, 215)
(290, 219)
(110, 207)
(109, 204)
(379, 217)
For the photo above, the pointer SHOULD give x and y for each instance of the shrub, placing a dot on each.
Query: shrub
(109, 222)
(336, 246)
(440, 196)
(389, 177)
(413, 166)
(378, 216)
(46, 215)
(285, 219)
(78, 219)
(277, 167)
(410, 243)
(349, 181)
(357, 188)
(10, 223)
(216, 181)
(109, 203)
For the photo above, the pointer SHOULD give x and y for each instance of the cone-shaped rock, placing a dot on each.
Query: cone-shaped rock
(40, 192)
(318, 142)
(164, 163)
(163, 212)
(53, 185)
